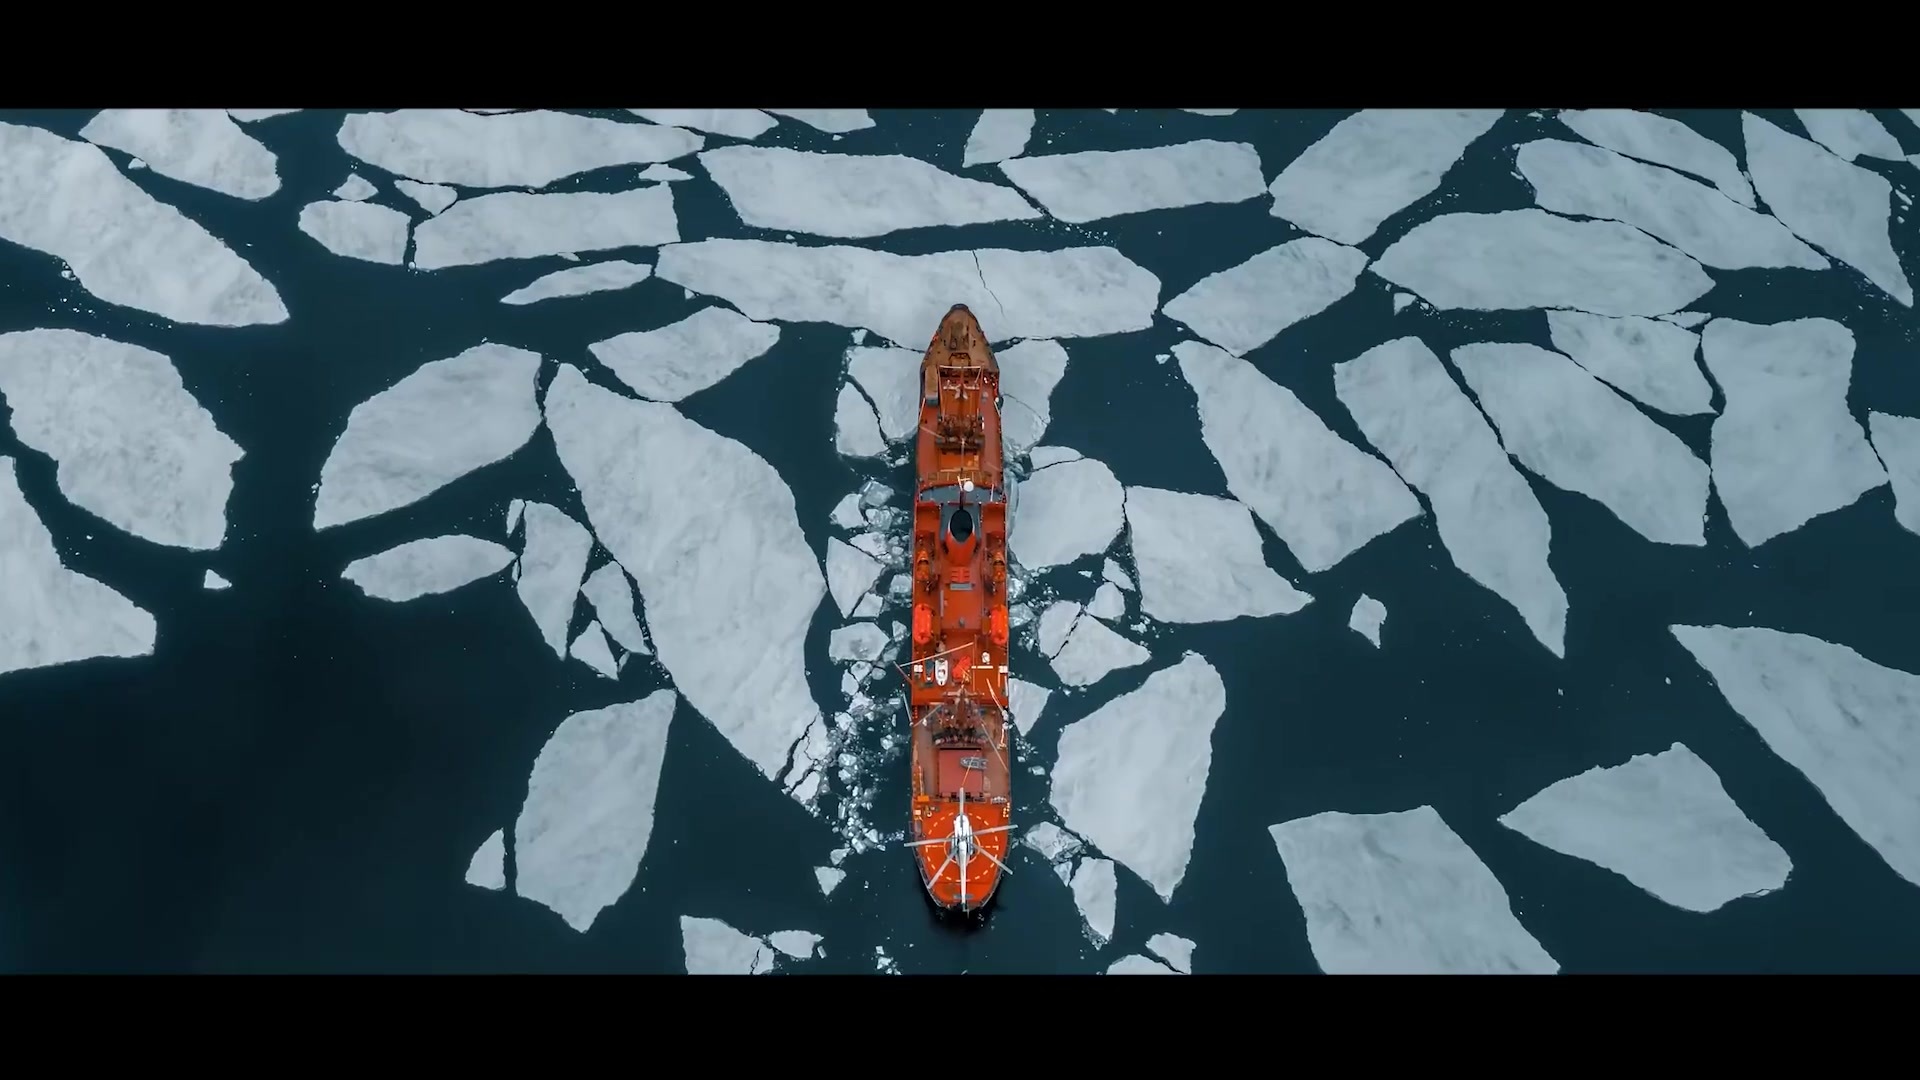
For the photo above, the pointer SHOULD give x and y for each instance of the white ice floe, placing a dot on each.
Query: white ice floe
(798, 944)
(518, 150)
(867, 607)
(1052, 842)
(132, 445)
(432, 198)
(1135, 964)
(1533, 259)
(891, 378)
(1321, 494)
(553, 563)
(832, 121)
(1663, 141)
(1649, 360)
(355, 188)
(202, 147)
(714, 543)
(1093, 651)
(1851, 133)
(1095, 184)
(850, 572)
(1026, 703)
(1075, 292)
(1199, 560)
(1110, 571)
(1785, 447)
(1050, 631)
(65, 199)
(1042, 456)
(580, 281)
(1175, 950)
(733, 123)
(214, 582)
(1401, 893)
(612, 599)
(1851, 726)
(846, 512)
(583, 830)
(711, 947)
(523, 225)
(1094, 888)
(1028, 373)
(1400, 301)
(515, 508)
(443, 421)
(1491, 524)
(1367, 617)
(1897, 440)
(1838, 207)
(1244, 307)
(856, 432)
(1559, 421)
(858, 641)
(53, 615)
(1070, 510)
(999, 134)
(853, 196)
(488, 867)
(1371, 166)
(674, 362)
(424, 567)
(1131, 774)
(590, 648)
(828, 878)
(1110, 603)
(248, 116)
(1662, 821)
(357, 230)
(666, 174)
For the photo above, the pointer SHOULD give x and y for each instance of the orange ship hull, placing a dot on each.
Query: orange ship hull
(962, 812)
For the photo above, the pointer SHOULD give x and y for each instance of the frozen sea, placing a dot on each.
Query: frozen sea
(1448, 540)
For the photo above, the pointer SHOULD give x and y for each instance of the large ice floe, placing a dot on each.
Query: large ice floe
(435, 564)
(580, 281)
(1371, 166)
(1489, 521)
(1092, 651)
(1401, 893)
(1026, 704)
(202, 147)
(612, 599)
(1849, 725)
(1834, 205)
(357, 230)
(1663, 141)
(733, 123)
(1095, 184)
(1662, 821)
(676, 361)
(711, 947)
(1532, 259)
(583, 830)
(443, 421)
(1095, 889)
(999, 134)
(1851, 133)
(853, 195)
(1028, 373)
(1649, 360)
(1245, 306)
(132, 445)
(1130, 775)
(890, 377)
(1785, 447)
(524, 225)
(832, 121)
(1075, 292)
(1067, 511)
(53, 615)
(1565, 425)
(1199, 560)
(65, 199)
(552, 565)
(1586, 181)
(1321, 494)
(850, 573)
(1897, 440)
(710, 535)
(518, 150)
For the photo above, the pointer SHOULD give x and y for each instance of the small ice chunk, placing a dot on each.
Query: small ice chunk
(874, 493)
(488, 867)
(832, 121)
(1026, 703)
(733, 123)
(248, 116)
(1565, 425)
(1371, 166)
(1401, 893)
(357, 230)
(1321, 494)
(432, 427)
(858, 641)
(1785, 447)
(1175, 950)
(798, 944)
(132, 445)
(1130, 774)
(891, 378)
(1836, 206)
(612, 599)
(432, 198)
(65, 199)
(1095, 184)
(517, 150)
(514, 509)
(1851, 726)
(1199, 560)
(1851, 133)
(1662, 821)
(1042, 456)
(590, 648)
(1897, 440)
(1246, 306)
(1028, 373)
(583, 831)
(850, 572)
(828, 877)
(1055, 623)
(711, 947)
(678, 360)
(1400, 301)
(999, 134)
(54, 615)
(355, 188)
(1368, 615)
(856, 431)
(1533, 259)
(552, 564)
(665, 174)
(1211, 112)
(1648, 360)
(1110, 571)
(1663, 141)
(1109, 604)
(213, 581)
(1094, 886)
(1072, 509)
(846, 512)
(1052, 842)
(853, 196)
(202, 147)
(523, 225)
(581, 280)
(1135, 964)
(426, 567)
(868, 607)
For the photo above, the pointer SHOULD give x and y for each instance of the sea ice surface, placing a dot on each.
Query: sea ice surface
(435, 564)
(1026, 703)
(1095, 184)
(1371, 166)
(552, 565)
(1199, 560)
(1067, 511)
(513, 150)
(1367, 617)
(856, 431)
(612, 599)
(355, 188)
(1836, 206)
(733, 123)
(999, 134)
(1246, 306)
(674, 362)
(832, 121)
(580, 280)
(1649, 360)
(357, 230)
(1897, 440)
(488, 867)
(202, 147)
(1094, 889)
(853, 196)
(1851, 133)
(1663, 141)
(526, 225)
(432, 198)
(1175, 950)
(850, 572)
(1093, 651)
(590, 648)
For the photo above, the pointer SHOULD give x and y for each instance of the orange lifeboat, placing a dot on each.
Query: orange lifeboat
(962, 811)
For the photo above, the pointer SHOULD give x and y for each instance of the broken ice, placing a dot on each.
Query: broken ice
(733, 123)
(1367, 617)
(1175, 950)
(891, 378)
(856, 431)
(1092, 651)
(1649, 360)
(1026, 703)
(590, 648)
(1071, 509)
(1372, 165)
(1851, 133)
(524, 225)
(202, 147)
(424, 567)
(999, 134)
(355, 188)
(1245, 306)
(357, 230)
(850, 572)
(1897, 440)
(853, 196)
(1199, 560)
(832, 121)
(1028, 373)
(518, 150)
(1093, 893)
(859, 641)
(488, 867)
(1096, 184)
(552, 565)
(676, 361)
(432, 198)
(612, 599)
(1135, 964)
(580, 280)
(1663, 141)
(1836, 206)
